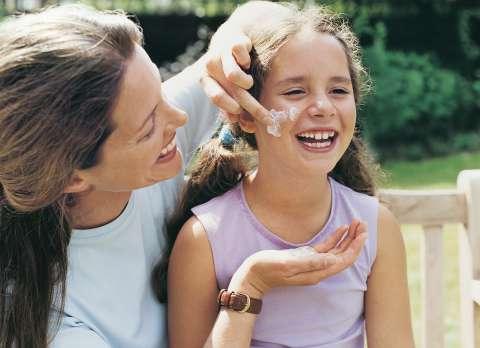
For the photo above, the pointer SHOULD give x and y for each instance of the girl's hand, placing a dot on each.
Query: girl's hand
(267, 269)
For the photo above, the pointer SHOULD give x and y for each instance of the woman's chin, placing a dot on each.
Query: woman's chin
(167, 168)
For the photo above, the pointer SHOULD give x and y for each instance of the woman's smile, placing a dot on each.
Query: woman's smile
(168, 152)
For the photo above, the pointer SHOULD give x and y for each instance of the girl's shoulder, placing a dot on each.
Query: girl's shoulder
(220, 204)
(345, 193)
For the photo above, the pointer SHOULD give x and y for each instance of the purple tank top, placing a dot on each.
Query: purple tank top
(328, 314)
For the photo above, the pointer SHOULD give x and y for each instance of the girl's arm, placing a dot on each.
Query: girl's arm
(192, 288)
(272, 268)
(387, 311)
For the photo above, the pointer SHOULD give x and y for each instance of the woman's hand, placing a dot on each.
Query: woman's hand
(267, 269)
(224, 80)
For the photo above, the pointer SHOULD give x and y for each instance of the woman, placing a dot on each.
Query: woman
(89, 169)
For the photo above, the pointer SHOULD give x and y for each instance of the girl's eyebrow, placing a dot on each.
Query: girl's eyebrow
(298, 79)
(293, 79)
(341, 79)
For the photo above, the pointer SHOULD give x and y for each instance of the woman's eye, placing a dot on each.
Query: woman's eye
(149, 134)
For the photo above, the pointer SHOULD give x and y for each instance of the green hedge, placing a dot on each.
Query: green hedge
(417, 108)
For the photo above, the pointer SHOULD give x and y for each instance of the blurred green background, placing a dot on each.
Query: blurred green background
(422, 119)
(423, 57)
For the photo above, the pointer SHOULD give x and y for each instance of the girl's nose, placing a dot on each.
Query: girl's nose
(321, 107)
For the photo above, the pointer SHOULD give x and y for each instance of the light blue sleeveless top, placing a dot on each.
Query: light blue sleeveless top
(329, 314)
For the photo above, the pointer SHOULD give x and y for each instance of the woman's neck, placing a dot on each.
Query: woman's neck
(97, 208)
(292, 206)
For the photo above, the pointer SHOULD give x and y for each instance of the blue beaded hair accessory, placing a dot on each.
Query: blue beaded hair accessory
(227, 139)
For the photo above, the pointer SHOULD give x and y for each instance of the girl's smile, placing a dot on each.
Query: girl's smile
(310, 72)
(318, 140)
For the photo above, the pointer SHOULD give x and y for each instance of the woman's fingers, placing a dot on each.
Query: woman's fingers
(226, 83)
(219, 96)
(252, 106)
(229, 97)
(233, 73)
(234, 59)
(241, 50)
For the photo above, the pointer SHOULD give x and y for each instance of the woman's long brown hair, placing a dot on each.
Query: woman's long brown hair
(60, 72)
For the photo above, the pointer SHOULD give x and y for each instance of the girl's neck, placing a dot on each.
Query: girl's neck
(291, 206)
(97, 208)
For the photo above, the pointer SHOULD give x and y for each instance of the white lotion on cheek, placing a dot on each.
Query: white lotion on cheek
(279, 117)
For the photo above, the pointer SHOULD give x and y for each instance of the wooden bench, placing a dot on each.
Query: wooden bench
(432, 210)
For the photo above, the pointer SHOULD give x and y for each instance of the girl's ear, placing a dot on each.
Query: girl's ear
(247, 123)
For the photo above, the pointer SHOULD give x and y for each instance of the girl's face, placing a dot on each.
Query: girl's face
(141, 149)
(311, 73)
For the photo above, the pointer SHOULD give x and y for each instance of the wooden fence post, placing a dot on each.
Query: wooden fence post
(432, 286)
(469, 256)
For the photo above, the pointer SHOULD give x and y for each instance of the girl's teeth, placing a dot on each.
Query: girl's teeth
(318, 135)
(319, 145)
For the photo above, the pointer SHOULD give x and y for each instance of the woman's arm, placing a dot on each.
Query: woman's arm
(192, 288)
(387, 311)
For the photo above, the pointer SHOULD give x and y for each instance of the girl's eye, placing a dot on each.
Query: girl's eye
(293, 92)
(340, 91)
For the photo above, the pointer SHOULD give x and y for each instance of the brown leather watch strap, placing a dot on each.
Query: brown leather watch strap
(239, 302)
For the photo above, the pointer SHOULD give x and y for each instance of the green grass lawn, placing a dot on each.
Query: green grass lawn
(431, 173)
(427, 174)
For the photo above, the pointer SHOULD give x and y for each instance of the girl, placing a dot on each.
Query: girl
(316, 175)
(86, 124)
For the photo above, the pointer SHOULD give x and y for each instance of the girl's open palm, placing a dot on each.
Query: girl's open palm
(306, 265)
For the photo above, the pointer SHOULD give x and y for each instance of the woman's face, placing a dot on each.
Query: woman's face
(141, 150)
(310, 72)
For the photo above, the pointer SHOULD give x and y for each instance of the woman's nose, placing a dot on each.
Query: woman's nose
(177, 116)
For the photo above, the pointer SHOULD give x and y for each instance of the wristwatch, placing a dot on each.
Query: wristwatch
(239, 302)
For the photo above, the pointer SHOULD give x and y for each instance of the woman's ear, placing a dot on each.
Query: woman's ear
(78, 183)
(247, 123)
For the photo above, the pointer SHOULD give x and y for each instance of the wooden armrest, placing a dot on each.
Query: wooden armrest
(476, 291)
